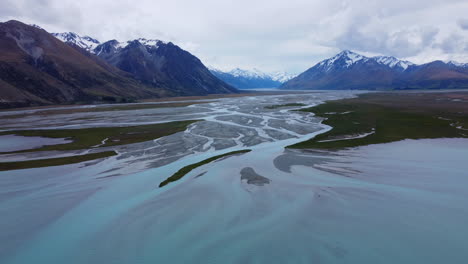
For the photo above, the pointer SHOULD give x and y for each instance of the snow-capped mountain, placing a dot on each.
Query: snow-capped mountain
(116, 45)
(343, 59)
(393, 62)
(84, 42)
(350, 70)
(153, 62)
(162, 64)
(94, 46)
(112, 50)
(59, 74)
(88, 43)
(247, 79)
(254, 73)
(458, 64)
(282, 77)
(346, 59)
(113, 46)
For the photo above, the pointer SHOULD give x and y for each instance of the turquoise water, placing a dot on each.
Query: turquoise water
(403, 202)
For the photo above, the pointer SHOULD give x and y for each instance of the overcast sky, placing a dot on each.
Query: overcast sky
(270, 35)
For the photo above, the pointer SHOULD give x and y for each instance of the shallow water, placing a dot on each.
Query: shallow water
(403, 202)
(14, 143)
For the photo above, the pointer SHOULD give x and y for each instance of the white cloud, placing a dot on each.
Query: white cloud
(463, 23)
(267, 34)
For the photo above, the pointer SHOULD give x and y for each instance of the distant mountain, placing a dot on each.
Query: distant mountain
(349, 70)
(154, 63)
(37, 68)
(282, 77)
(248, 79)
(458, 64)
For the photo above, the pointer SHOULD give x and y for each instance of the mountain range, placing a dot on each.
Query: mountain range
(248, 79)
(38, 68)
(155, 63)
(350, 70)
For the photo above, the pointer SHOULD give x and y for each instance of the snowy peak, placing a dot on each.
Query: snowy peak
(94, 46)
(258, 74)
(114, 45)
(350, 57)
(344, 59)
(108, 47)
(393, 62)
(457, 64)
(85, 42)
(255, 73)
(248, 79)
(151, 42)
(282, 77)
(347, 58)
(387, 60)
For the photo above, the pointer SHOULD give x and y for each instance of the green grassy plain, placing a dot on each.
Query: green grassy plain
(17, 165)
(107, 108)
(392, 117)
(86, 138)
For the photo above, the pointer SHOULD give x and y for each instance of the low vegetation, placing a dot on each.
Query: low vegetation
(284, 105)
(107, 108)
(387, 117)
(182, 172)
(17, 165)
(102, 136)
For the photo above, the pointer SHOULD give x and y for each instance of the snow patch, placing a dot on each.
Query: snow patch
(393, 62)
(85, 42)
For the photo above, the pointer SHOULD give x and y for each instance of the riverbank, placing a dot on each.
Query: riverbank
(177, 101)
(86, 139)
(387, 117)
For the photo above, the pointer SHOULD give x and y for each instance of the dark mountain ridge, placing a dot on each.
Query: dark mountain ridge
(160, 64)
(37, 68)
